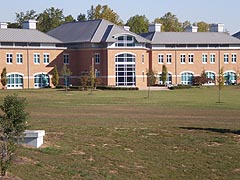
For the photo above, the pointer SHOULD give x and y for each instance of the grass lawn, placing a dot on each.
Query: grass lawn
(180, 134)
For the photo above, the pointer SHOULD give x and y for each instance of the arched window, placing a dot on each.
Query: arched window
(168, 81)
(125, 41)
(125, 70)
(15, 81)
(230, 78)
(211, 77)
(41, 80)
(186, 78)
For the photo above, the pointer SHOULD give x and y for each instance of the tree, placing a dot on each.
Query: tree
(202, 26)
(220, 81)
(151, 79)
(200, 80)
(169, 23)
(66, 73)
(138, 24)
(104, 12)
(55, 76)
(28, 15)
(164, 74)
(13, 123)
(185, 24)
(50, 19)
(4, 79)
(68, 18)
(82, 17)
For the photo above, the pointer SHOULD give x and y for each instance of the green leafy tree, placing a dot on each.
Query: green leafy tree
(202, 26)
(50, 19)
(92, 78)
(164, 74)
(66, 73)
(69, 18)
(28, 15)
(138, 24)
(170, 23)
(104, 12)
(13, 122)
(82, 17)
(4, 79)
(55, 76)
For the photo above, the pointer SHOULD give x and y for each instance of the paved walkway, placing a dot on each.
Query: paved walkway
(155, 88)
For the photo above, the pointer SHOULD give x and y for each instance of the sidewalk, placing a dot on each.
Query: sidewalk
(155, 88)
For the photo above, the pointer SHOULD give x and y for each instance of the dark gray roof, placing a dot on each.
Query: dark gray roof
(26, 35)
(237, 35)
(190, 38)
(94, 31)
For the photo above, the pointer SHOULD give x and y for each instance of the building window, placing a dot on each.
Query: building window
(125, 70)
(97, 74)
(46, 58)
(234, 58)
(183, 58)
(41, 80)
(143, 58)
(230, 78)
(19, 58)
(125, 41)
(160, 58)
(66, 58)
(168, 80)
(169, 58)
(9, 58)
(225, 58)
(36, 58)
(186, 78)
(97, 58)
(15, 81)
(204, 58)
(211, 77)
(191, 58)
(212, 58)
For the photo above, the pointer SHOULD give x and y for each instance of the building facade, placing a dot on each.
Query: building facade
(117, 56)
(28, 56)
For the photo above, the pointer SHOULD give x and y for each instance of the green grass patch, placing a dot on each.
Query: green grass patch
(179, 134)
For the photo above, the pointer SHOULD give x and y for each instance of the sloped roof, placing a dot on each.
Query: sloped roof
(94, 31)
(237, 35)
(26, 35)
(190, 38)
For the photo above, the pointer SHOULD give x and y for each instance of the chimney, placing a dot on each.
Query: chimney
(3, 25)
(191, 29)
(30, 24)
(126, 28)
(154, 27)
(217, 28)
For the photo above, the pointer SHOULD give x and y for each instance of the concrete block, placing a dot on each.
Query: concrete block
(34, 138)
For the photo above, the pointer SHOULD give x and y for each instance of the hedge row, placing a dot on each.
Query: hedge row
(80, 88)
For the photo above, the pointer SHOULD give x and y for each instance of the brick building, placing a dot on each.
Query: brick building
(117, 56)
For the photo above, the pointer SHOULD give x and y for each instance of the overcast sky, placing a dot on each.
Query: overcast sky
(210, 11)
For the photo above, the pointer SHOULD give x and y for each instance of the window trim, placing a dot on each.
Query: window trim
(17, 58)
(181, 58)
(169, 57)
(212, 55)
(204, 58)
(224, 58)
(66, 55)
(192, 58)
(162, 58)
(234, 54)
(97, 58)
(44, 54)
(38, 54)
(9, 58)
